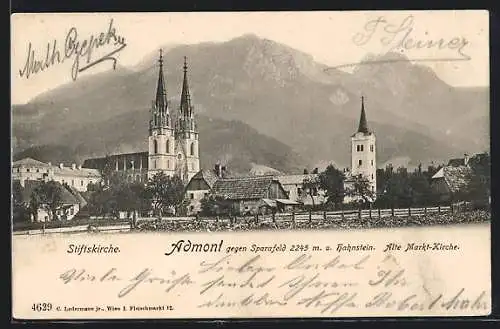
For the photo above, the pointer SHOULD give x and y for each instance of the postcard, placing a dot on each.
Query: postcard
(250, 165)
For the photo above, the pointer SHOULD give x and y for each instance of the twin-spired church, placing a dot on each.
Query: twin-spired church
(173, 145)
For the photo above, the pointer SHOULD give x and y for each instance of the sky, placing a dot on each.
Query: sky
(332, 38)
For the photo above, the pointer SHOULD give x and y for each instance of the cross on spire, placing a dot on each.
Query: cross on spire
(161, 105)
(185, 96)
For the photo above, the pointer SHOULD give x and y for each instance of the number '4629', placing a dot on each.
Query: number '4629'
(42, 307)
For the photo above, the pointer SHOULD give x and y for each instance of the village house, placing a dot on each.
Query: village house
(70, 204)
(34, 170)
(198, 188)
(451, 181)
(244, 195)
(296, 191)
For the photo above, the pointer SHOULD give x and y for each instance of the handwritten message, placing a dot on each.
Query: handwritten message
(324, 287)
(83, 52)
(208, 275)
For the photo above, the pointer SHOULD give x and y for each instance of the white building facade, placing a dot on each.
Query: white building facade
(75, 176)
(363, 156)
(173, 150)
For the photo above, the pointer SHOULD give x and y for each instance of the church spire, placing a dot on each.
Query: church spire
(363, 124)
(185, 107)
(161, 93)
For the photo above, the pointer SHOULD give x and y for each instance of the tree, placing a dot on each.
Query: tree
(479, 188)
(107, 170)
(20, 210)
(332, 182)
(310, 186)
(420, 188)
(216, 205)
(48, 196)
(164, 192)
(101, 201)
(361, 189)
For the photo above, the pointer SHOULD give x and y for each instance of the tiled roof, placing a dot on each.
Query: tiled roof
(243, 188)
(78, 196)
(82, 172)
(207, 175)
(294, 179)
(30, 186)
(30, 162)
(67, 171)
(457, 178)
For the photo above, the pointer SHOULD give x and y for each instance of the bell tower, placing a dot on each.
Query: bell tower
(363, 151)
(161, 138)
(187, 141)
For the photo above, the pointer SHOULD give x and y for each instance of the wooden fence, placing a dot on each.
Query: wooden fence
(317, 215)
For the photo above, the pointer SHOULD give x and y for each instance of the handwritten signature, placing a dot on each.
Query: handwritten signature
(81, 52)
(400, 37)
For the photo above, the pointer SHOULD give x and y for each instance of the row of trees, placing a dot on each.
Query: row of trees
(161, 195)
(399, 187)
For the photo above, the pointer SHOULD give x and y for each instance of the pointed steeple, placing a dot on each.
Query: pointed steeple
(161, 93)
(363, 124)
(185, 107)
(161, 115)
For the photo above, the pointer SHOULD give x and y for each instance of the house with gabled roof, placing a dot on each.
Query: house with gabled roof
(70, 204)
(199, 187)
(451, 181)
(245, 194)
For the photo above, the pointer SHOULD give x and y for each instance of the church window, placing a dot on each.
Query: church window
(360, 162)
(155, 147)
(372, 176)
(168, 146)
(191, 195)
(299, 191)
(192, 148)
(72, 182)
(372, 162)
(371, 148)
(27, 169)
(81, 183)
(154, 165)
(361, 148)
(38, 170)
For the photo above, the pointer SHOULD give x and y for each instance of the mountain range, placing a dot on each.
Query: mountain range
(259, 102)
